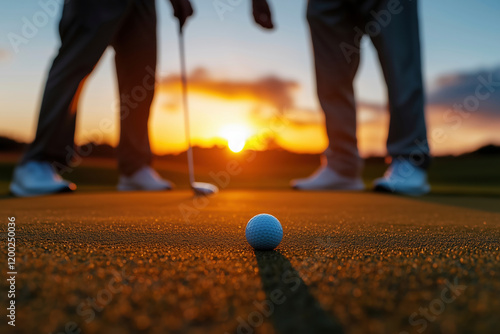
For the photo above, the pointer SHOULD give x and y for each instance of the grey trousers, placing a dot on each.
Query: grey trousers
(87, 28)
(336, 30)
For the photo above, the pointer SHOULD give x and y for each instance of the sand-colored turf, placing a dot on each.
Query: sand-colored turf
(165, 262)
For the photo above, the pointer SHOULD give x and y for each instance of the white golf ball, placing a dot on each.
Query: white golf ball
(264, 232)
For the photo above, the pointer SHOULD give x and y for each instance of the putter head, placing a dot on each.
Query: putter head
(204, 189)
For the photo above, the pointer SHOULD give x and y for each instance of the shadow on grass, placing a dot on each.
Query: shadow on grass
(289, 305)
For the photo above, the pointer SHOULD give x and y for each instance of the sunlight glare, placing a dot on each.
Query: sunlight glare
(236, 136)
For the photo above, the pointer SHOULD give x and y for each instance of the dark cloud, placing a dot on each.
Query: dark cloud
(479, 90)
(272, 90)
(279, 92)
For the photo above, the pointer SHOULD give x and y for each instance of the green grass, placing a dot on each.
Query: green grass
(448, 176)
(456, 176)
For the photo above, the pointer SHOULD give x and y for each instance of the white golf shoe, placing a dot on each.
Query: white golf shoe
(145, 179)
(37, 178)
(403, 178)
(326, 178)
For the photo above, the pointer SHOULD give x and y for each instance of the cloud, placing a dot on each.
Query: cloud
(271, 90)
(477, 91)
(449, 130)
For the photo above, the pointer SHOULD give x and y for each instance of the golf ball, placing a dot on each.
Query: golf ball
(264, 232)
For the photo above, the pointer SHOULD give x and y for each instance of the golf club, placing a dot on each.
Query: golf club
(199, 188)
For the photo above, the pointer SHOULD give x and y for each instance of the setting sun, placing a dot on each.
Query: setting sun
(236, 136)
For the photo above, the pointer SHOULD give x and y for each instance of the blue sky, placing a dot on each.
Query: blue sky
(457, 35)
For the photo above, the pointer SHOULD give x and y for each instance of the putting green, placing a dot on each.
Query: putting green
(165, 262)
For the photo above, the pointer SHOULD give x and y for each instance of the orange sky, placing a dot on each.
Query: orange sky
(238, 100)
(256, 114)
(260, 114)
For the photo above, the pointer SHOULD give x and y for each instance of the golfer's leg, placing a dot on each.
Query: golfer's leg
(135, 45)
(398, 47)
(336, 56)
(86, 29)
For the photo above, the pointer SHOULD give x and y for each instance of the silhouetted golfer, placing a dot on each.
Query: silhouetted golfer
(337, 27)
(87, 28)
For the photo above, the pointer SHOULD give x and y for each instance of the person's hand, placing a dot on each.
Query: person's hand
(182, 10)
(262, 14)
